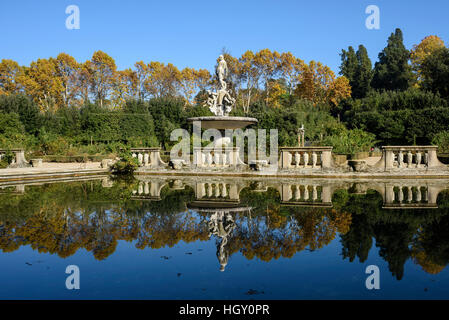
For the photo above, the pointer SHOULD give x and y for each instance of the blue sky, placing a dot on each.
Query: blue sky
(192, 33)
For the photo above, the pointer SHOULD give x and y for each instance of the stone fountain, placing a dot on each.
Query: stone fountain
(220, 103)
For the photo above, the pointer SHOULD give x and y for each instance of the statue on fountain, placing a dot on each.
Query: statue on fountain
(221, 102)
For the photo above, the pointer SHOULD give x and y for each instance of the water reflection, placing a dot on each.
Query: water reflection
(263, 218)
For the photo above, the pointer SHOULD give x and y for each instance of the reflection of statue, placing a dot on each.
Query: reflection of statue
(221, 225)
(220, 103)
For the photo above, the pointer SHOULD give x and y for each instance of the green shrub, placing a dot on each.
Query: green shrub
(126, 165)
(441, 139)
(350, 141)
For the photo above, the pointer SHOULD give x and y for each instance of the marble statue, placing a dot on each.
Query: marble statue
(221, 102)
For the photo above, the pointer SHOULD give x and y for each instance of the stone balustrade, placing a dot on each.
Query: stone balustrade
(148, 157)
(306, 157)
(409, 157)
(19, 160)
(217, 157)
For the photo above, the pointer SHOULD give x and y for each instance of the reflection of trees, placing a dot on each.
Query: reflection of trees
(419, 234)
(62, 218)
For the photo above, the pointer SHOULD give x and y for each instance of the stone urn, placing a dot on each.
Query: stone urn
(357, 165)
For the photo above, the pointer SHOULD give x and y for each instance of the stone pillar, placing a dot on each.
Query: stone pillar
(286, 192)
(326, 159)
(389, 159)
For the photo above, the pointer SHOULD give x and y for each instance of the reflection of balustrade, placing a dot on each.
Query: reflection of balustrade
(217, 157)
(19, 160)
(148, 190)
(307, 195)
(411, 196)
(216, 190)
(306, 157)
(148, 157)
(409, 157)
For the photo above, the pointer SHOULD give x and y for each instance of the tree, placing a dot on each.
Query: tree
(349, 65)
(41, 82)
(67, 70)
(251, 75)
(435, 72)
(290, 68)
(392, 71)
(267, 63)
(363, 74)
(9, 70)
(103, 69)
(319, 85)
(420, 52)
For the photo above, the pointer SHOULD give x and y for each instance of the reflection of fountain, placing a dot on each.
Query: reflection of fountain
(221, 225)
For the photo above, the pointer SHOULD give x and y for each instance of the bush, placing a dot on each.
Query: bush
(441, 139)
(125, 166)
(350, 141)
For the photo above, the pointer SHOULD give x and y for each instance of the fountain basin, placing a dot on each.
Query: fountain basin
(224, 122)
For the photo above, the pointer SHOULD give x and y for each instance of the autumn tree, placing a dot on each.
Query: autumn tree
(103, 69)
(9, 71)
(67, 69)
(421, 51)
(41, 81)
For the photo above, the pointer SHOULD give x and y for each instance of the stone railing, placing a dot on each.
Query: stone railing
(19, 160)
(148, 157)
(409, 157)
(306, 157)
(217, 158)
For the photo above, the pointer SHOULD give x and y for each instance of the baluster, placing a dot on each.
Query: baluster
(409, 159)
(224, 191)
(409, 194)
(425, 194)
(297, 159)
(314, 159)
(418, 159)
(314, 193)
(418, 194)
(146, 188)
(306, 159)
(146, 158)
(209, 158)
(400, 159)
(225, 158)
(217, 158)
(140, 188)
(306, 192)
(297, 192)
(140, 158)
(209, 190)
(400, 195)
(426, 159)
(217, 190)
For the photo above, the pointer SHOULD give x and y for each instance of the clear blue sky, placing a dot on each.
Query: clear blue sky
(192, 33)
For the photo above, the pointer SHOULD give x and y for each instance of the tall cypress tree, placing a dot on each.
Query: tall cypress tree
(348, 65)
(363, 74)
(356, 66)
(392, 71)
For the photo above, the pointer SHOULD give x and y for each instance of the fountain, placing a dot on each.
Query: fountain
(220, 103)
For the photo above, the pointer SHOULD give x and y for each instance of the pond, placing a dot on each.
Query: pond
(216, 238)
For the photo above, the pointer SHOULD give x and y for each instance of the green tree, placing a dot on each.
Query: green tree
(392, 71)
(435, 70)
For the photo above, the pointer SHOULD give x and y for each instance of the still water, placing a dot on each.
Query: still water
(212, 238)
